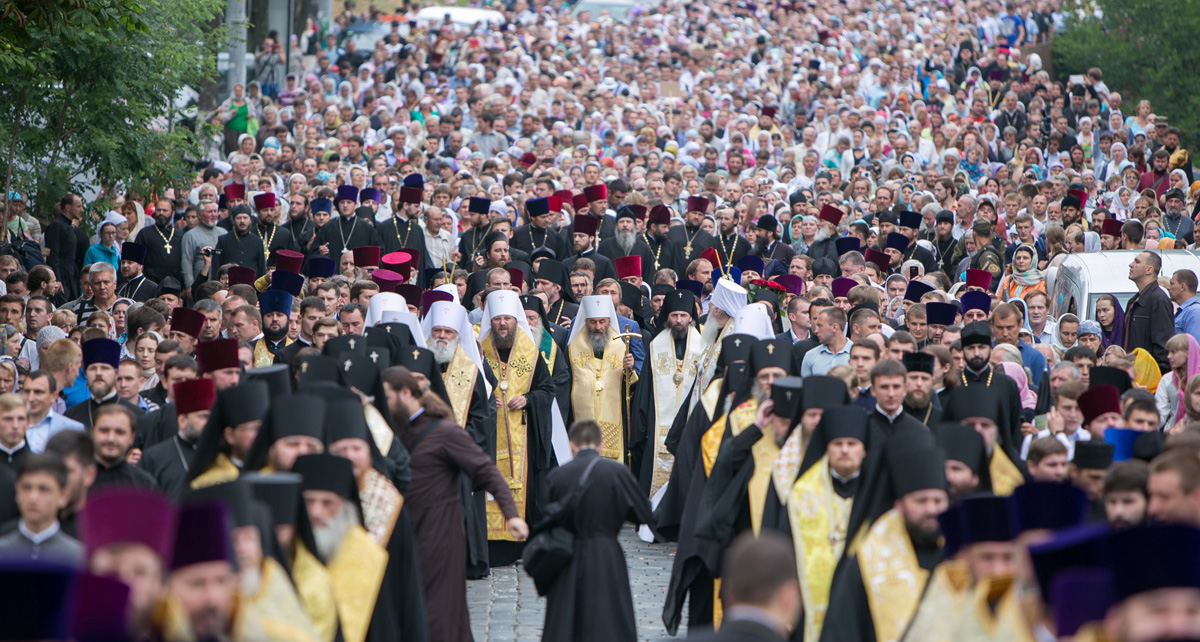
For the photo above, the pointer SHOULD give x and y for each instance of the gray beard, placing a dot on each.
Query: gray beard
(329, 538)
(759, 395)
(538, 332)
(443, 354)
(625, 241)
(598, 341)
(823, 233)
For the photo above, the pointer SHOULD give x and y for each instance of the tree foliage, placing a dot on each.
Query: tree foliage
(89, 86)
(1145, 49)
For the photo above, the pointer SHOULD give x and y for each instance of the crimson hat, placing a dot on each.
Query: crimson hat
(1111, 227)
(769, 111)
(628, 266)
(411, 194)
(881, 259)
(593, 193)
(639, 211)
(125, 514)
(831, 214)
(386, 279)
(660, 214)
(235, 191)
(710, 255)
(528, 159)
(579, 202)
(218, 354)
(395, 260)
(979, 279)
(516, 275)
(429, 297)
(697, 204)
(288, 261)
(1099, 400)
(241, 275)
(565, 195)
(194, 395)
(366, 256)
(585, 224)
(187, 321)
(264, 201)
(841, 286)
(555, 203)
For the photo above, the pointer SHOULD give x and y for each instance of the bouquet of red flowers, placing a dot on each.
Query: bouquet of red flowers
(757, 285)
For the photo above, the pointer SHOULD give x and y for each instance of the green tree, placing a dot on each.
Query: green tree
(1145, 49)
(87, 99)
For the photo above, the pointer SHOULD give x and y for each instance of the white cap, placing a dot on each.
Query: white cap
(499, 304)
(754, 321)
(389, 307)
(729, 296)
(594, 307)
(444, 314)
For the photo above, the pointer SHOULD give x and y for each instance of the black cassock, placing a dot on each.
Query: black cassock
(591, 599)
(683, 441)
(604, 265)
(242, 249)
(397, 234)
(343, 234)
(528, 238)
(276, 237)
(168, 463)
(611, 249)
(690, 242)
(663, 255)
(156, 427)
(161, 263)
(139, 288)
(121, 474)
(730, 249)
(85, 410)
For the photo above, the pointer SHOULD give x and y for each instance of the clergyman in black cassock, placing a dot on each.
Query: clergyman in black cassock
(170, 462)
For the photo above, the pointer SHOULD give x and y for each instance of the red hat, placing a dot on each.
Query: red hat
(841, 286)
(235, 191)
(555, 204)
(415, 254)
(697, 204)
(516, 276)
(366, 256)
(598, 192)
(628, 266)
(264, 201)
(288, 261)
(878, 258)
(217, 354)
(831, 214)
(386, 279)
(1099, 400)
(710, 254)
(639, 211)
(585, 224)
(660, 214)
(565, 196)
(579, 202)
(1111, 227)
(194, 395)
(394, 260)
(769, 111)
(411, 194)
(1079, 194)
(241, 275)
(124, 514)
(528, 159)
(187, 321)
(979, 279)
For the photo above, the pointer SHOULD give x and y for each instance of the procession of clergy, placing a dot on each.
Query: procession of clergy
(345, 485)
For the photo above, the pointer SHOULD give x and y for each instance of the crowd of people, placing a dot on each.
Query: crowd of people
(776, 283)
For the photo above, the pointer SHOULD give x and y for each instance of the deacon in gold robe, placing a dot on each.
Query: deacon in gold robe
(820, 500)
(523, 396)
(668, 372)
(602, 372)
(276, 309)
(877, 587)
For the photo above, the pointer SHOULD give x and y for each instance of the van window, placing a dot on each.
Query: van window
(1071, 306)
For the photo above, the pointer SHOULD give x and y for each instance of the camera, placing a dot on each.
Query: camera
(207, 251)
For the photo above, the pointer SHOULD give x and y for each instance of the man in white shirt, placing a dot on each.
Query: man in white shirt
(40, 391)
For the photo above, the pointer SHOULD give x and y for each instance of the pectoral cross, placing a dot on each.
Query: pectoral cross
(352, 343)
(168, 246)
(346, 365)
(374, 357)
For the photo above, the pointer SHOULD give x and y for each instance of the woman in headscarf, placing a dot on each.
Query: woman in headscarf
(1111, 318)
(1183, 353)
(1190, 407)
(1024, 275)
(1122, 203)
(1145, 372)
(106, 249)
(1016, 372)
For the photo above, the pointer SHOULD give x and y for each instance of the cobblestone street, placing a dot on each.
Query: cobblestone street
(505, 607)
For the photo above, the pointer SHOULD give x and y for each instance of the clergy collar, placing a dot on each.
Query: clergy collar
(833, 473)
(892, 417)
(977, 374)
(39, 538)
(112, 397)
(14, 449)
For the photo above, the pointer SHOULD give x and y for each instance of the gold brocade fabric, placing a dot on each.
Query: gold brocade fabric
(273, 612)
(221, 470)
(943, 605)
(707, 371)
(764, 452)
(993, 614)
(737, 419)
(513, 378)
(819, 519)
(315, 592)
(672, 379)
(597, 390)
(891, 576)
(1005, 475)
(381, 504)
(787, 465)
(381, 431)
(460, 384)
(262, 356)
(356, 572)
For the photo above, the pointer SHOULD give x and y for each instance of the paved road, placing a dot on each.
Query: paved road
(506, 608)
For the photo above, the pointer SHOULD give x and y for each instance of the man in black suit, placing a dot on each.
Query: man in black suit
(761, 593)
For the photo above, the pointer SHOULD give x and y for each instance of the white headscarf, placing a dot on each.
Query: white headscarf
(502, 303)
(389, 307)
(594, 307)
(445, 314)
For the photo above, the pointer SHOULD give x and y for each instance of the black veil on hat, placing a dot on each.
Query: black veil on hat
(289, 415)
(234, 406)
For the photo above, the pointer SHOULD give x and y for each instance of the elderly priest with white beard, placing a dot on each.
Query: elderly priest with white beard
(601, 373)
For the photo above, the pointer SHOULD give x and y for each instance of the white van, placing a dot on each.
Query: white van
(1082, 278)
